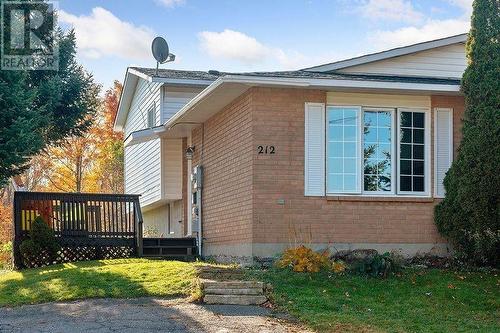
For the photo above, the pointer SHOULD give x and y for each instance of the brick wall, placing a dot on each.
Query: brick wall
(282, 214)
(225, 141)
(259, 198)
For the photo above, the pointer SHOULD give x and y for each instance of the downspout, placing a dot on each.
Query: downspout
(200, 217)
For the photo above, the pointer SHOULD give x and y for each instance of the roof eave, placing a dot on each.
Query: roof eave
(245, 82)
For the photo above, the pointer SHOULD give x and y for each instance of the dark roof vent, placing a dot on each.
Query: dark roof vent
(214, 72)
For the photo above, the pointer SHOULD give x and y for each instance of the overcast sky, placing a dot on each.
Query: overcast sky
(250, 35)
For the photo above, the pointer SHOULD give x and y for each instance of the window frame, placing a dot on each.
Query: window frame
(359, 186)
(395, 150)
(427, 152)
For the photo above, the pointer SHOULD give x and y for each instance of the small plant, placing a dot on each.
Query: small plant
(151, 232)
(41, 241)
(304, 259)
(378, 265)
(339, 267)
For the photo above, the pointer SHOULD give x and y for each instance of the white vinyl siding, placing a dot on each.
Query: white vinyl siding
(146, 98)
(174, 98)
(143, 161)
(446, 62)
(143, 171)
(314, 181)
(443, 147)
(172, 168)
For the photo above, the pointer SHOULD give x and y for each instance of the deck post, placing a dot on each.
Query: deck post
(17, 260)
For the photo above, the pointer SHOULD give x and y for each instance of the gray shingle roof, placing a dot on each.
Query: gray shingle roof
(213, 75)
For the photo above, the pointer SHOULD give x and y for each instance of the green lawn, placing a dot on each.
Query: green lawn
(121, 278)
(416, 301)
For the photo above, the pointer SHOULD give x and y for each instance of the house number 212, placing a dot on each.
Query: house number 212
(265, 150)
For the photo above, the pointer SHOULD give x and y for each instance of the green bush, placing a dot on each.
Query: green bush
(378, 265)
(41, 241)
(469, 215)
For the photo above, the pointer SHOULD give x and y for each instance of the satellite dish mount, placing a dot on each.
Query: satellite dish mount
(160, 50)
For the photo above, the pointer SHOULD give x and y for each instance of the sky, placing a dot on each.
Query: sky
(251, 35)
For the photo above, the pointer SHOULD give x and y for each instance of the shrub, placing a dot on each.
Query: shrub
(378, 265)
(469, 215)
(304, 259)
(41, 241)
(339, 267)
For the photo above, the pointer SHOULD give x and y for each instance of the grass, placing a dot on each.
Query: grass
(415, 301)
(119, 278)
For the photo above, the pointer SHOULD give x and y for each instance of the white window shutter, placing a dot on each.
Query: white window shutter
(314, 164)
(443, 147)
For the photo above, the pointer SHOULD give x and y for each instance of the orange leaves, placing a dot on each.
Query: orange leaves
(304, 259)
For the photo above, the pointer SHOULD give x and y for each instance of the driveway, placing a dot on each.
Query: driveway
(140, 315)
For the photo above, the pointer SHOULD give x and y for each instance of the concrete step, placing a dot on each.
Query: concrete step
(233, 291)
(235, 299)
(208, 284)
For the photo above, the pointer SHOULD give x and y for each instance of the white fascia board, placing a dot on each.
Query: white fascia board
(186, 82)
(301, 82)
(140, 74)
(129, 84)
(144, 135)
(400, 51)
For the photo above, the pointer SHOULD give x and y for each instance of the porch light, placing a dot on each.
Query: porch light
(189, 153)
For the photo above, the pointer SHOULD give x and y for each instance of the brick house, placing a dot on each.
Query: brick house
(345, 155)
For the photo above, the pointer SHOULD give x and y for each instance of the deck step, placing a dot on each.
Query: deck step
(235, 299)
(235, 291)
(232, 284)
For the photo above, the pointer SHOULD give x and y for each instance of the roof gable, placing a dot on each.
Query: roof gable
(389, 55)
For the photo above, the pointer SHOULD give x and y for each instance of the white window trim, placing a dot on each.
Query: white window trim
(393, 152)
(359, 181)
(427, 153)
(436, 195)
(395, 193)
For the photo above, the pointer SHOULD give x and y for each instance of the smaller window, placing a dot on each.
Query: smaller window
(151, 117)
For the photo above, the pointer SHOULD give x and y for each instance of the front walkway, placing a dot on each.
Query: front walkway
(140, 315)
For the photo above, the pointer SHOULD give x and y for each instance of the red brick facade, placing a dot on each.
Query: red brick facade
(257, 201)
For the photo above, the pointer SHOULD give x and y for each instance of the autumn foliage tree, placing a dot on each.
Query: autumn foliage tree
(92, 162)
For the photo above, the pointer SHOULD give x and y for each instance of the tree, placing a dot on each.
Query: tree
(91, 162)
(469, 215)
(41, 107)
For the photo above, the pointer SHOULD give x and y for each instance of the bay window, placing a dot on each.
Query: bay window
(377, 151)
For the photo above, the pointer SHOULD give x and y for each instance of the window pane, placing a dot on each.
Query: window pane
(405, 183)
(350, 133)
(418, 184)
(350, 165)
(335, 183)
(406, 119)
(418, 119)
(406, 135)
(335, 165)
(385, 119)
(343, 150)
(350, 149)
(377, 151)
(370, 134)
(418, 168)
(370, 183)
(350, 183)
(405, 167)
(405, 151)
(335, 133)
(418, 152)
(418, 136)
(350, 117)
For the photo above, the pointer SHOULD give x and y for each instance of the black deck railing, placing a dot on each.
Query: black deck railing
(87, 226)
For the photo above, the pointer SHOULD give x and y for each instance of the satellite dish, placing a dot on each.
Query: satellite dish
(160, 50)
